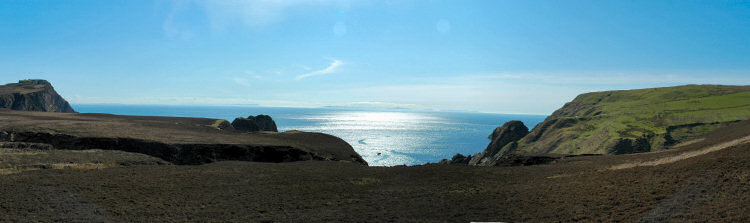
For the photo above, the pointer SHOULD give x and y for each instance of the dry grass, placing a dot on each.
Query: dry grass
(15, 170)
(689, 142)
(17, 160)
(57, 166)
(22, 153)
(81, 166)
(217, 124)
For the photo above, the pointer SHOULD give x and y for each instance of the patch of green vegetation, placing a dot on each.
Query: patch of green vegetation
(606, 117)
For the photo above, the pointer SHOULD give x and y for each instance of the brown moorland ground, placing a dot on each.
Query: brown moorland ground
(709, 187)
(175, 139)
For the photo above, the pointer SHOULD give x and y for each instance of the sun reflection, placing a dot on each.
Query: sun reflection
(381, 117)
(385, 138)
(382, 138)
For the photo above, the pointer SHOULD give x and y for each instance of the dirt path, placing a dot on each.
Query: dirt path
(685, 155)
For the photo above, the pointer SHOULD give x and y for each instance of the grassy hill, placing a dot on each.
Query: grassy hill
(616, 122)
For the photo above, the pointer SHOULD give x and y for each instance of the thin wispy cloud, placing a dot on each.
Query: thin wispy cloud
(241, 81)
(333, 67)
(252, 74)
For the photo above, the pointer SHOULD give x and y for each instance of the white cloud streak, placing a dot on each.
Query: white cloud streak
(241, 81)
(335, 64)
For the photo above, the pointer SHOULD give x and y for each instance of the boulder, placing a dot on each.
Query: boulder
(265, 123)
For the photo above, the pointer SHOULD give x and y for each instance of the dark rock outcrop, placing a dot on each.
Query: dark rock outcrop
(510, 132)
(503, 141)
(255, 123)
(265, 123)
(457, 159)
(627, 146)
(33, 95)
(524, 160)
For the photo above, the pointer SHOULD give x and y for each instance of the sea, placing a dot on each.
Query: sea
(383, 137)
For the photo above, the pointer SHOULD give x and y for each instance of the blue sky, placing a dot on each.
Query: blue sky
(490, 56)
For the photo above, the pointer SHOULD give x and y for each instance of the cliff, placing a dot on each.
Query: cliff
(631, 121)
(33, 95)
(173, 139)
(504, 135)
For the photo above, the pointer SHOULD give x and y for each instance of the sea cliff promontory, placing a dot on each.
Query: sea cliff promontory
(33, 95)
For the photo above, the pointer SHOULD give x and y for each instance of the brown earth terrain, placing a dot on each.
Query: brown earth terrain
(177, 140)
(698, 187)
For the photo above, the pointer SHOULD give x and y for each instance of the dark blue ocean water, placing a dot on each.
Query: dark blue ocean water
(382, 137)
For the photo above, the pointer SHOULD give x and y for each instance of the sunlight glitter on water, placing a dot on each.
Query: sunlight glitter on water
(375, 121)
(387, 138)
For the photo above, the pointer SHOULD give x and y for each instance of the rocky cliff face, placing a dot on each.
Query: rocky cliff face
(33, 95)
(503, 141)
(255, 123)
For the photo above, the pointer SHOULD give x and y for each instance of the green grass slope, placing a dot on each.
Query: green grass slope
(617, 122)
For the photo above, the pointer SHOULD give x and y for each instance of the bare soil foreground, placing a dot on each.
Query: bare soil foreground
(709, 186)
